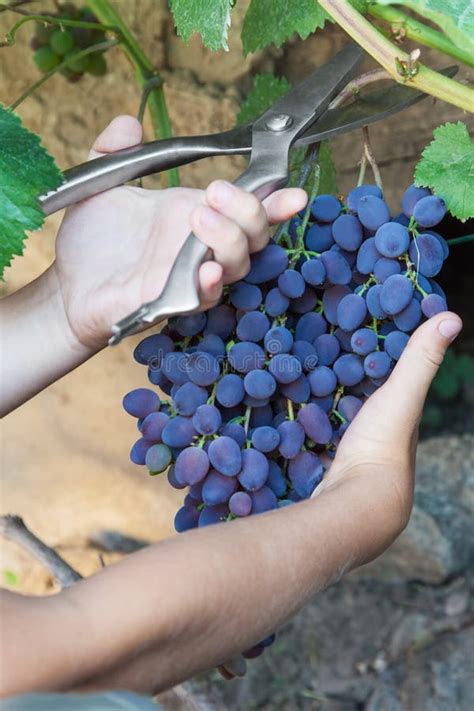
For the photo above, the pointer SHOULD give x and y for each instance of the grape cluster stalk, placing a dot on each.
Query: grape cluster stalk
(264, 385)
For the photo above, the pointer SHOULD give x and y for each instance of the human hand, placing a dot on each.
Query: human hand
(115, 250)
(375, 459)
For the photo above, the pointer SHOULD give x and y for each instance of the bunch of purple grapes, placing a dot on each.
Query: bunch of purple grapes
(264, 385)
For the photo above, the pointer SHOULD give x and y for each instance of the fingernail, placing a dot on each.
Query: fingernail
(207, 217)
(449, 328)
(222, 191)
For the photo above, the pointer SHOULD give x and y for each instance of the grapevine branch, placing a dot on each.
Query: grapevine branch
(396, 61)
(354, 86)
(369, 155)
(407, 27)
(13, 528)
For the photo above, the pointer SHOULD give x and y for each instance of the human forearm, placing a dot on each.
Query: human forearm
(196, 600)
(37, 345)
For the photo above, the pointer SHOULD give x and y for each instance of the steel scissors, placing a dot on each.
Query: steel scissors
(299, 118)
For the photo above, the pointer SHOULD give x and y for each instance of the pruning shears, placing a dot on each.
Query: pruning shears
(302, 117)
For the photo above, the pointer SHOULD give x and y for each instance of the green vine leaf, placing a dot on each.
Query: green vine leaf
(454, 17)
(210, 18)
(447, 167)
(266, 90)
(274, 21)
(26, 172)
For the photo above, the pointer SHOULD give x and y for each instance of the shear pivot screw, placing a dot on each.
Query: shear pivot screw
(279, 122)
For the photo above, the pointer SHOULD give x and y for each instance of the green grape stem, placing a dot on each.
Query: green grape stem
(145, 72)
(394, 59)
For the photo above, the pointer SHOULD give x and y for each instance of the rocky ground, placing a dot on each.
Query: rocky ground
(396, 635)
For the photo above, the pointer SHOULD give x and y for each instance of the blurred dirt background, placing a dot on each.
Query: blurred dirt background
(65, 466)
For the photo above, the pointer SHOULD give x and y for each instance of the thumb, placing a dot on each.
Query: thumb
(122, 132)
(420, 362)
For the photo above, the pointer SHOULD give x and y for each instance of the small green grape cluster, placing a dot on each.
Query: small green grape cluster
(53, 45)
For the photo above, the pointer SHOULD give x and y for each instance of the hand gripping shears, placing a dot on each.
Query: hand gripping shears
(301, 117)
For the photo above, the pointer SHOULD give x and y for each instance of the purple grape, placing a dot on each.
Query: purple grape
(322, 381)
(306, 354)
(367, 256)
(395, 344)
(213, 514)
(178, 432)
(427, 255)
(267, 264)
(327, 348)
(246, 356)
(190, 324)
(284, 368)
(235, 431)
(377, 364)
(225, 456)
(213, 344)
(276, 303)
(305, 303)
(152, 349)
(364, 341)
(349, 406)
(188, 398)
(141, 402)
(174, 368)
(254, 472)
(305, 472)
(385, 267)
(310, 326)
(325, 208)
(230, 390)
(260, 384)
(297, 391)
(349, 369)
(263, 500)
(408, 319)
(351, 312)
(313, 272)
(202, 368)
(292, 436)
(265, 438)
(153, 425)
(291, 284)
(276, 481)
(429, 211)
(246, 297)
(337, 267)
(318, 238)
(186, 518)
(261, 416)
(207, 419)
(372, 211)
(373, 302)
(278, 340)
(220, 321)
(395, 294)
(253, 326)
(433, 304)
(315, 423)
(217, 488)
(392, 240)
(240, 504)
(347, 232)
